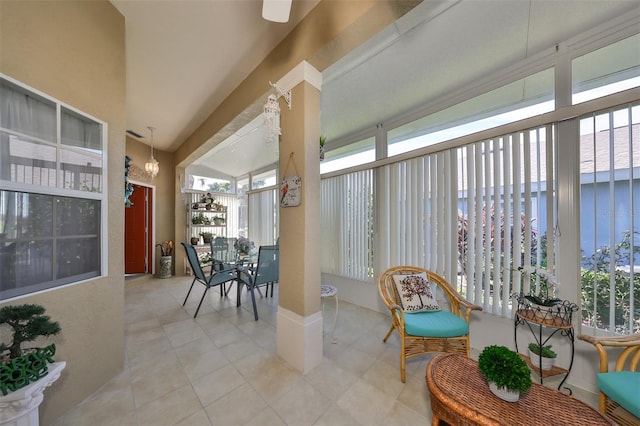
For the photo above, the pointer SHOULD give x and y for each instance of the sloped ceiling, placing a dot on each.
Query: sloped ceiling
(433, 50)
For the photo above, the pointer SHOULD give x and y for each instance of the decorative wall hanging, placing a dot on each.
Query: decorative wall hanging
(291, 186)
(128, 187)
(271, 113)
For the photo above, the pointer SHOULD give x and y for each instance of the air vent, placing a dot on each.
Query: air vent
(134, 134)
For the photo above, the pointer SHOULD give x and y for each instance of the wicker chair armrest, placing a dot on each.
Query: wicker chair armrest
(627, 359)
(617, 341)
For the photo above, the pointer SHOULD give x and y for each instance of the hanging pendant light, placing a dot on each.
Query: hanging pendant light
(152, 166)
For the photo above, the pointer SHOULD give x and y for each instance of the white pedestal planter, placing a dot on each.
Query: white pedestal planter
(20, 408)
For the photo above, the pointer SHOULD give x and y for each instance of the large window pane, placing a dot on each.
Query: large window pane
(35, 254)
(26, 113)
(26, 160)
(79, 171)
(610, 69)
(524, 98)
(80, 131)
(354, 154)
(610, 230)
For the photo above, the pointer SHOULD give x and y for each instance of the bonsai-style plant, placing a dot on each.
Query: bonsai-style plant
(505, 368)
(18, 366)
(28, 323)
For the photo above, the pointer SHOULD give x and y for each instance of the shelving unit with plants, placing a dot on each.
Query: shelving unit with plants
(206, 219)
(545, 318)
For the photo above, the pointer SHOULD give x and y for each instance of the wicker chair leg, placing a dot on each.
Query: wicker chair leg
(388, 333)
(403, 361)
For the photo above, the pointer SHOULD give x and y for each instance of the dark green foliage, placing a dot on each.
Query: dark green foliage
(597, 281)
(547, 352)
(28, 323)
(505, 367)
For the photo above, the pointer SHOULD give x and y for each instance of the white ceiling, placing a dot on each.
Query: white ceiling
(181, 65)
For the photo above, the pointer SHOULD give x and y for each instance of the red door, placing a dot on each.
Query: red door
(137, 235)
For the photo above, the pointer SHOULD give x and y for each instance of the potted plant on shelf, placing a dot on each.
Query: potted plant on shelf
(218, 221)
(506, 372)
(541, 357)
(207, 200)
(206, 237)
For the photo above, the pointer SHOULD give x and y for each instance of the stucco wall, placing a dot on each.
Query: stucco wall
(75, 52)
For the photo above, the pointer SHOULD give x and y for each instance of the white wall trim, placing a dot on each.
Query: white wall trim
(304, 71)
(299, 339)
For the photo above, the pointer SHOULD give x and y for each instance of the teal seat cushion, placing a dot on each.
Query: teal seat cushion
(623, 387)
(435, 324)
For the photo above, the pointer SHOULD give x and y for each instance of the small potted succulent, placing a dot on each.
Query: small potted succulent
(506, 372)
(541, 357)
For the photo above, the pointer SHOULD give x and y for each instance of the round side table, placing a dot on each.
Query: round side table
(330, 291)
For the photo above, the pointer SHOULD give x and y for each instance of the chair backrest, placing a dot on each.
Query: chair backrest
(222, 250)
(192, 256)
(268, 267)
(446, 294)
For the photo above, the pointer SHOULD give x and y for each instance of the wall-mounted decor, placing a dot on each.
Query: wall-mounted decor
(128, 187)
(290, 187)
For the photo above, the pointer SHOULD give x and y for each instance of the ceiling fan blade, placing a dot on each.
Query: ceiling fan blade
(276, 10)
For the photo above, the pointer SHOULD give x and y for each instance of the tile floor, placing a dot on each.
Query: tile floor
(222, 367)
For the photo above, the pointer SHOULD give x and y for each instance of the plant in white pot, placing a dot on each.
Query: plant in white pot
(541, 357)
(506, 372)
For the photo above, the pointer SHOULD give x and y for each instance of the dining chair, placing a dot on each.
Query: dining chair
(217, 277)
(266, 270)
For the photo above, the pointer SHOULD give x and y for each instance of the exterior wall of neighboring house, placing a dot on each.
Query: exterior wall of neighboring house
(75, 52)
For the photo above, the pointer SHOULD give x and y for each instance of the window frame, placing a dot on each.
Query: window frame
(101, 196)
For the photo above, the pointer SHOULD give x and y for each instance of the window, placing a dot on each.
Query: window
(611, 69)
(354, 154)
(51, 192)
(261, 180)
(263, 216)
(506, 213)
(346, 205)
(203, 183)
(521, 99)
(610, 229)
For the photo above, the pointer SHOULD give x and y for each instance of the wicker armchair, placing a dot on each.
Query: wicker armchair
(444, 331)
(623, 381)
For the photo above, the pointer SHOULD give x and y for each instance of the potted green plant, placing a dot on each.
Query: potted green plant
(323, 140)
(206, 237)
(541, 356)
(207, 200)
(506, 372)
(218, 220)
(24, 366)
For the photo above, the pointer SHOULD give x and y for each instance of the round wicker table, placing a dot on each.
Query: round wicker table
(460, 395)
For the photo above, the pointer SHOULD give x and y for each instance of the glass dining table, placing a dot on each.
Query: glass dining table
(227, 257)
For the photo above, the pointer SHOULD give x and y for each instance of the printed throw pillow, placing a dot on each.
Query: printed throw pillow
(416, 293)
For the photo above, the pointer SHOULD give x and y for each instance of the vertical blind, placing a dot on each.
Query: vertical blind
(482, 215)
(347, 225)
(263, 216)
